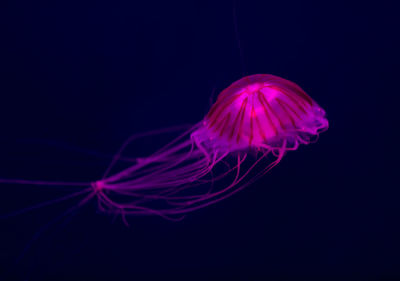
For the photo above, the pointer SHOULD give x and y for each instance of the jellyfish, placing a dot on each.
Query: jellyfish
(248, 130)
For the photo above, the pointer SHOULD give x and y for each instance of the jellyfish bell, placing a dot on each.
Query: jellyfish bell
(263, 111)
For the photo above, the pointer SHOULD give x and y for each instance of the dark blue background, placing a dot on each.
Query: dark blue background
(87, 75)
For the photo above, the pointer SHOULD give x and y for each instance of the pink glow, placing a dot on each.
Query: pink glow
(274, 110)
(275, 115)
(252, 124)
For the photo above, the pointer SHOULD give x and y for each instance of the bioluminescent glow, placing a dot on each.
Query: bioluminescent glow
(254, 121)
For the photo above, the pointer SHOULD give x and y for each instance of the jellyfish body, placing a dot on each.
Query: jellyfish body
(262, 113)
(248, 130)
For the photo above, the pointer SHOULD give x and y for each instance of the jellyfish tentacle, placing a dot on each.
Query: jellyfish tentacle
(118, 154)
